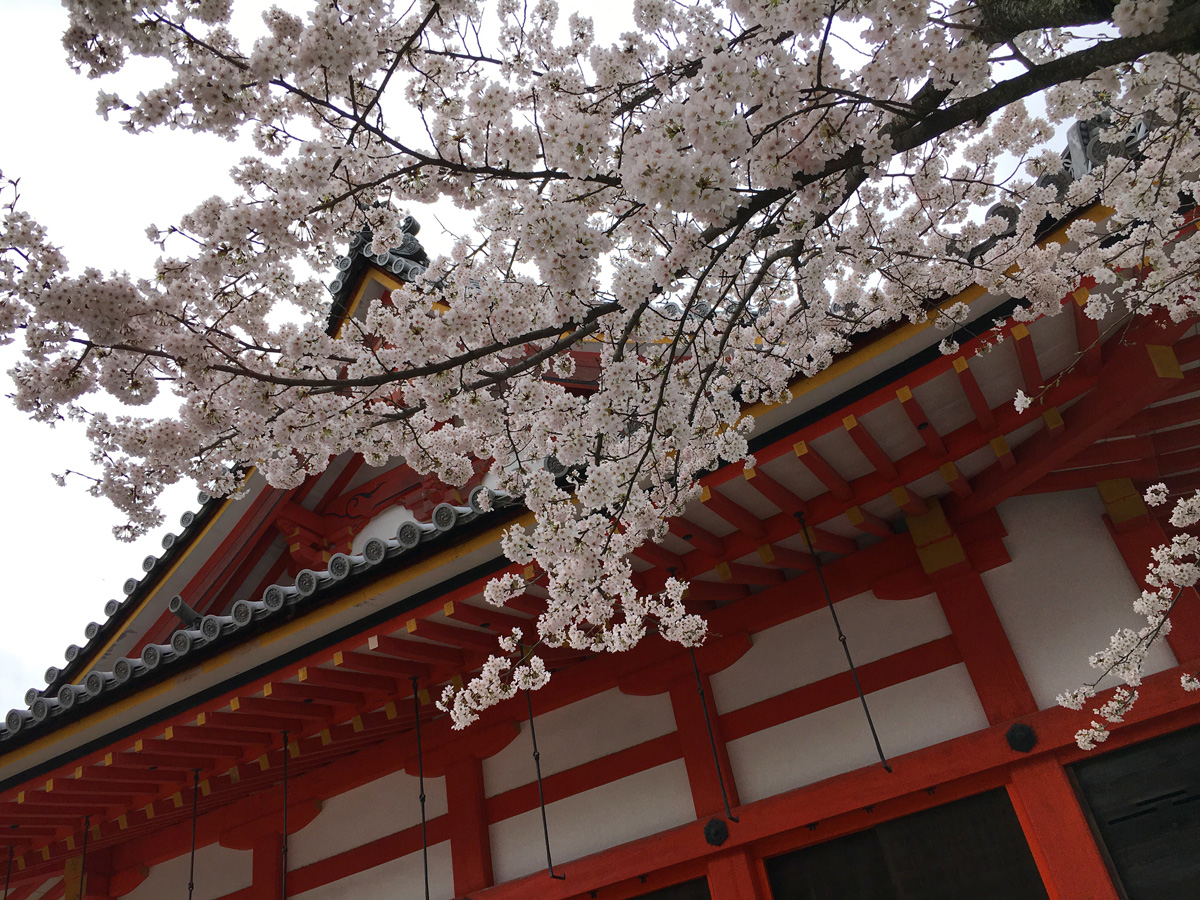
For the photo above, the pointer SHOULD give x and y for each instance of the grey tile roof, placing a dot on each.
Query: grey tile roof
(60, 697)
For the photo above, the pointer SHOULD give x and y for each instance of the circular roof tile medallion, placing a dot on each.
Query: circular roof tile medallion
(92, 629)
(187, 519)
(374, 551)
(31, 695)
(111, 608)
(52, 674)
(129, 586)
(182, 642)
(409, 535)
(340, 566)
(152, 656)
(16, 720)
(123, 670)
(554, 467)
(444, 516)
(203, 497)
(480, 499)
(274, 597)
(169, 540)
(95, 683)
(41, 709)
(149, 563)
(243, 612)
(72, 651)
(212, 626)
(68, 694)
(307, 583)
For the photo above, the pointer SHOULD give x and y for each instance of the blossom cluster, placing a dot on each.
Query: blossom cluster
(663, 230)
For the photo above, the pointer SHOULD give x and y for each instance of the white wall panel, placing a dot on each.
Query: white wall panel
(359, 816)
(806, 649)
(625, 810)
(218, 872)
(578, 733)
(403, 877)
(1066, 590)
(908, 716)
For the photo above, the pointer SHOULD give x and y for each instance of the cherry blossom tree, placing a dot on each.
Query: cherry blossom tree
(719, 201)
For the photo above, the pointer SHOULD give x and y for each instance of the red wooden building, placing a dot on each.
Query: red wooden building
(975, 557)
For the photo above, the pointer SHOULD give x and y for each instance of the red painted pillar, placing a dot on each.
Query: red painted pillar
(267, 883)
(697, 748)
(1058, 832)
(470, 846)
(1135, 538)
(989, 658)
(737, 875)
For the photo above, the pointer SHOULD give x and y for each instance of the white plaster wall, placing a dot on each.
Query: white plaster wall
(359, 816)
(219, 871)
(401, 878)
(1065, 591)
(625, 810)
(44, 889)
(806, 649)
(578, 733)
(908, 716)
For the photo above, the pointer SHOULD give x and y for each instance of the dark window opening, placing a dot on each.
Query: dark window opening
(1145, 804)
(972, 849)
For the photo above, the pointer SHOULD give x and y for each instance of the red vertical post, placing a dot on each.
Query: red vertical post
(737, 876)
(1135, 538)
(702, 768)
(267, 881)
(1058, 832)
(470, 846)
(999, 682)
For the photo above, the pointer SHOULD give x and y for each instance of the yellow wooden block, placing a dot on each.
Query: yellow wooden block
(1053, 418)
(1164, 360)
(800, 447)
(849, 422)
(766, 554)
(903, 394)
(1019, 331)
(1081, 295)
(960, 364)
(1000, 446)
(723, 572)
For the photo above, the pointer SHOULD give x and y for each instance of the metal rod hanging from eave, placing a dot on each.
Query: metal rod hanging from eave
(845, 646)
(8, 872)
(421, 784)
(712, 740)
(283, 874)
(87, 828)
(537, 762)
(195, 807)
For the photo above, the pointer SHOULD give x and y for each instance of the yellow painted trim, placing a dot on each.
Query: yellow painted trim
(1053, 418)
(1020, 331)
(960, 364)
(1164, 360)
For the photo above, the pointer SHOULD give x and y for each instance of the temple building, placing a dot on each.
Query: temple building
(252, 721)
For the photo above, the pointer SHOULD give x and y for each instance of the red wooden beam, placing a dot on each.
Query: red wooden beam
(1165, 415)
(738, 516)
(870, 448)
(357, 661)
(371, 684)
(785, 557)
(955, 479)
(284, 709)
(1087, 333)
(824, 472)
(913, 504)
(287, 690)
(916, 415)
(772, 490)
(739, 573)
(418, 651)
(866, 521)
(1031, 371)
(501, 623)
(970, 387)
(448, 634)
(702, 540)
(1137, 374)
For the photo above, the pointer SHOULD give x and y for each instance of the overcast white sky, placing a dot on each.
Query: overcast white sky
(96, 188)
